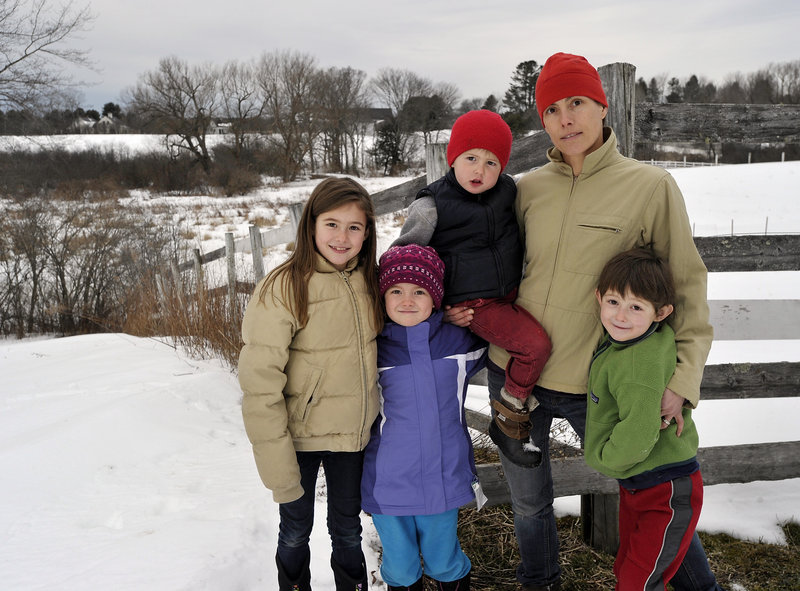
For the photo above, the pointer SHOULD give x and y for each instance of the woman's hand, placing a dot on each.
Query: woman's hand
(671, 408)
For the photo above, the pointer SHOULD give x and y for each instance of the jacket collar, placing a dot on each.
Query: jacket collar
(323, 265)
(595, 161)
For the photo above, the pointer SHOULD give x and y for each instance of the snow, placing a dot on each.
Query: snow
(125, 463)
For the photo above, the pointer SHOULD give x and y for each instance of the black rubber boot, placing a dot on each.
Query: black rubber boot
(344, 582)
(301, 583)
(461, 584)
(509, 431)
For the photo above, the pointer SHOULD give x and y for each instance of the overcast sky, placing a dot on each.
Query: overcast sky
(475, 45)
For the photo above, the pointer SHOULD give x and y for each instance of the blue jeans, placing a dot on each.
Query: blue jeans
(343, 478)
(532, 497)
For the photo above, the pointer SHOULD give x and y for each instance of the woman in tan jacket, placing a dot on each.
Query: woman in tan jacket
(308, 372)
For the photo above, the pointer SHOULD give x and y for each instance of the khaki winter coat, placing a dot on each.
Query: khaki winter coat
(312, 388)
(572, 227)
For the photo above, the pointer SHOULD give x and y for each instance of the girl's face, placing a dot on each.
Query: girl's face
(339, 234)
(408, 304)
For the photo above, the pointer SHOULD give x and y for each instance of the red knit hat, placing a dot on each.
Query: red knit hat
(480, 129)
(415, 264)
(566, 75)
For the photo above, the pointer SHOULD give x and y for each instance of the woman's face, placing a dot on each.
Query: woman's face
(575, 126)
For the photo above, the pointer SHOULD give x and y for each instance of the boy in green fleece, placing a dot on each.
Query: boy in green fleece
(661, 489)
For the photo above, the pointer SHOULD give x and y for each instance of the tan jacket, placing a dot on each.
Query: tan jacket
(572, 227)
(312, 388)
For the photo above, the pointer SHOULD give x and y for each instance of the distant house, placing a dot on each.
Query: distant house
(109, 124)
(219, 127)
(82, 125)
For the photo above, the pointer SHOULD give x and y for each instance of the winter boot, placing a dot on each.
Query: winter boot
(461, 584)
(344, 582)
(413, 587)
(301, 583)
(510, 430)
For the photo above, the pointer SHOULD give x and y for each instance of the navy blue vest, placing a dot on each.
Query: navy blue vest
(477, 237)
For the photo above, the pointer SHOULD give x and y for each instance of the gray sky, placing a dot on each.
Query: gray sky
(475, 45)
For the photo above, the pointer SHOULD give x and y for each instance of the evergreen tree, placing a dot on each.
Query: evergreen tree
(519, 97)
(640, 90)
(491, 103)
(675, 94)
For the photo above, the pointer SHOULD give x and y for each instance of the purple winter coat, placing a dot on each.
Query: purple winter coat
(419, 457)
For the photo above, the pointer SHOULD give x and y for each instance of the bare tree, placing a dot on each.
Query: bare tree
(394, 87)
(242, 103)
(288, 81)
(343, 101)
(181, 102)
(34, 48)
(787, 81)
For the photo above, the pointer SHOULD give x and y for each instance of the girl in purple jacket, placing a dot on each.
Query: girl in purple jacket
(418, 465)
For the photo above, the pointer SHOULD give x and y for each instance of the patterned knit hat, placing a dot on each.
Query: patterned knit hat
(566, 75)
(415, 264)
(480, 129)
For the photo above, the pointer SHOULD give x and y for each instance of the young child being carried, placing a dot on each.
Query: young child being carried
(468, 216)
(661, 489)
(418, 465)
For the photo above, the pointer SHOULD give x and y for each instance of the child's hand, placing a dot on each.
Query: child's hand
(671, 408)
(459, 316)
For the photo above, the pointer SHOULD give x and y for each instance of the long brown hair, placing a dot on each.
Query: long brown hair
(295, 272)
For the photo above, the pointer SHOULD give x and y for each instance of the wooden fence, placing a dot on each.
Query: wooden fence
(736, 319)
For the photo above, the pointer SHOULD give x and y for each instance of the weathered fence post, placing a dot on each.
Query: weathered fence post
(295, 212)
(619, 82)
(600, 512)
(198, 272)
(258, 253)
(230, 258)
(435, 161)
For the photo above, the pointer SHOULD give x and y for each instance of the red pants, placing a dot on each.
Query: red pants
(656, 525)
(505, 324)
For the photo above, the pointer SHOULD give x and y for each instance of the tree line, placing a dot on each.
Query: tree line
(285, 108)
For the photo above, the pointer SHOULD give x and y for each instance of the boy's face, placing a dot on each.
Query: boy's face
(408, 304)
(627, 317)
(477, 170)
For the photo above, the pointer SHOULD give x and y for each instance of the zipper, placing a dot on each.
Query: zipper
(359, 332)
(614, 229)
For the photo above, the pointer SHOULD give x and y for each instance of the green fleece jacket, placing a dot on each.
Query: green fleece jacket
(311, 388)
(623, 413)
(572, 227)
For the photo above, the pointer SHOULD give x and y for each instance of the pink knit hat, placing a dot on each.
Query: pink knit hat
(566, 75)
(480, 129)
(419, 265)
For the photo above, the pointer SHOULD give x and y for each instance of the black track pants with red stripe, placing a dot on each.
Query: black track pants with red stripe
(656, 525)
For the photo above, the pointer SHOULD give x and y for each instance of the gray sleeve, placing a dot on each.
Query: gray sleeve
(420, 223)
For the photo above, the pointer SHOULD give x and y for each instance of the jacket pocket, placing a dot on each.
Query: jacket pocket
(299, 403)
(592, 241)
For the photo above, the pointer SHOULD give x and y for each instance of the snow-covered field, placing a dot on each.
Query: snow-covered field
(125, 463)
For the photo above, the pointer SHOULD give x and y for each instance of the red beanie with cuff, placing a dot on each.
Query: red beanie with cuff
(480, 129)
(566, 75)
